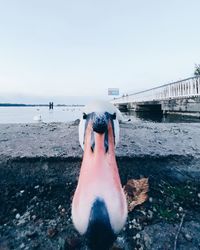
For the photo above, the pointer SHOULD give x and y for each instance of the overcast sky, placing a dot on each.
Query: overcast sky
(82, 47)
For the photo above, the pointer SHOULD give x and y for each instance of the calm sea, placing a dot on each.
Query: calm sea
(67, 114)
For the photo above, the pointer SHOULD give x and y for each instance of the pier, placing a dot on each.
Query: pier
(177, 97)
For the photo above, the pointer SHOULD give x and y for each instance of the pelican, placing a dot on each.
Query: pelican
(99, 207)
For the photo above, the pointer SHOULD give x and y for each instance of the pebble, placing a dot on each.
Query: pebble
(180, 209)
(22, 245)
(17, 216)
(143, 212)
(51, 232)
(34, 217)
(34, 199)
(150, 214)
(137, 236)
(188, 237)
(21, 221)
(134, 221)
(154, 209)
(37, 186)
(198, 195)
(150, 199)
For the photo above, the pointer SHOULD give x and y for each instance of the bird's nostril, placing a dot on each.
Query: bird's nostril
(99, 233)
(100, 126)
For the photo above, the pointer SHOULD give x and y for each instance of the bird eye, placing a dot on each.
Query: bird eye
(113, 116)
(84, 116)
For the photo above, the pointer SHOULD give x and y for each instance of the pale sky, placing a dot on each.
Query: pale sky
(82, 47)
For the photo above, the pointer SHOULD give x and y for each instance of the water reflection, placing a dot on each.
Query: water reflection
(160, 117)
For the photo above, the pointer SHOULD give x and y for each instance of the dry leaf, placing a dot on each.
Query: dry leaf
(136, 192)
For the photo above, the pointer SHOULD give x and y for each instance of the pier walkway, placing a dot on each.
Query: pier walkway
(179, 96)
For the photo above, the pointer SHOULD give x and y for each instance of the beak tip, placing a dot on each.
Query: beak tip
(99, 233)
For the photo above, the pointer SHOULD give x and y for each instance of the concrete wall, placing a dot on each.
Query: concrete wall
(191, 105)
(180, 105)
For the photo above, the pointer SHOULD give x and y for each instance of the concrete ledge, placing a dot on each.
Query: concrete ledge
(50, 153)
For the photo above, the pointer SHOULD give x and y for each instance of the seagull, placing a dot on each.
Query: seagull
(99, 207)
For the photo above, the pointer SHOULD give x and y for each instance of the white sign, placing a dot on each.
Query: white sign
(113, 91)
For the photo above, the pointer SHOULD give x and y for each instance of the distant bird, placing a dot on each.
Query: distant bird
(37, 118)
(99, 207)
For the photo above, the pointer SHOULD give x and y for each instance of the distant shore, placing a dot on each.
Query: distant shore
(38, 105)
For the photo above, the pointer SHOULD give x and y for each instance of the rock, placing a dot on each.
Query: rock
(34, 199)
(34, 217)
(14, 210)
(22, 245)
(150, 199)
(188, 237)
(137, 236)
(51, 232)
(180, 209)
(149, 214)
(17, 216)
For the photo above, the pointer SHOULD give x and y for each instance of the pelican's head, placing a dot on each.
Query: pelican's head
(99, 208)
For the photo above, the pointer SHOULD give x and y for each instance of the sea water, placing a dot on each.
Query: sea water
(68, 114)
